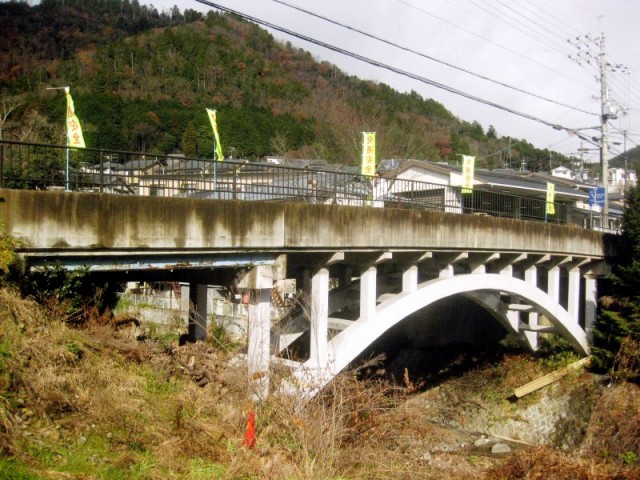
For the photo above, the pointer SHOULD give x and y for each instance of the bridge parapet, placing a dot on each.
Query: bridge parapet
(58, 223)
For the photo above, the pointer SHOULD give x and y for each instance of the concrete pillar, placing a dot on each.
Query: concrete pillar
(478, 261)
(479, 268)
(553, 283)
(260, 283)
(197, 312)
(573, 304)
(319, 318)
(446, 271)
(410, 279)
(531, 277)
(368, 293)
(590, 305)
(507, 270)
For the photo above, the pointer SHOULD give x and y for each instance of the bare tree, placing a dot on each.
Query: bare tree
(280, 145)
(8, 103)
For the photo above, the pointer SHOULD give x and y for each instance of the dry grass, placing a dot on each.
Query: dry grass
(614, 429)
(97, 401)
(546, 463)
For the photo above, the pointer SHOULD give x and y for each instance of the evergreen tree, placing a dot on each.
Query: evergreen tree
(617, 335)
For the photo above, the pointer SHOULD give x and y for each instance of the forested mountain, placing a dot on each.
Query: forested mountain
(141, 80)
(628, 159)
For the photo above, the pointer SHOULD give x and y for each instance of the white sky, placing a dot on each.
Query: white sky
(522, 43)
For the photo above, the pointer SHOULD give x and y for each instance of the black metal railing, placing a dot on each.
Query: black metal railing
(56, 167)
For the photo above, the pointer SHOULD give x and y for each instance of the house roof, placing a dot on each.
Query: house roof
(511, 181)
(140, 164)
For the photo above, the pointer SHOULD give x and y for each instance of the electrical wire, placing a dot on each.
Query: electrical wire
(520, 27)
(428, 57)
(569, 31)
(378, 64)
(551, 34)
(518, 54)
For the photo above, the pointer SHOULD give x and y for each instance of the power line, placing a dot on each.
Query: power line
(551, 34)
(523, 29)
(428, 57)
(559, 23)
(520, 55)
(378, 64)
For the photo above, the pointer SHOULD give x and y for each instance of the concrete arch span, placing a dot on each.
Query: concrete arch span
(484, 288)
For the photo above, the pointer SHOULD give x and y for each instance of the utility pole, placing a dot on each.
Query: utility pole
(624, 185)
(585, 56)
(604, 116)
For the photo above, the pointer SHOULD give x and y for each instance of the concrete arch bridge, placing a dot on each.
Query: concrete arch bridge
(363, 270)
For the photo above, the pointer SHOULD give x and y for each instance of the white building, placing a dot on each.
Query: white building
(619, 179)
(563, 172)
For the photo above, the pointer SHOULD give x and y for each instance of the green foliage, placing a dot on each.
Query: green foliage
(74, 288)
(11, 265)
(629, 458)
(631, 233)
(617, 334)
(10, 469)
(556, 352)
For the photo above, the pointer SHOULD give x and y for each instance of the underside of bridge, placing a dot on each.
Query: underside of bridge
(354, 305)
(443, 337)
(412, 306)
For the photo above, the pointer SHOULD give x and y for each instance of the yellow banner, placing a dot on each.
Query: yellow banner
(551, 198)
(468, 163)
(214, 126)
(74, 130)
(369, 153)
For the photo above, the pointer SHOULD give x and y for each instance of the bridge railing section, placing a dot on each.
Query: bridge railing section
(55, 167)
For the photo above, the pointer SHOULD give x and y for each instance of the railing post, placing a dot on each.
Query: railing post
(235, 182)
(101, 172)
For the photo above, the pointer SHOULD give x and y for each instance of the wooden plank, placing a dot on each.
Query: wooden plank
(549, 378)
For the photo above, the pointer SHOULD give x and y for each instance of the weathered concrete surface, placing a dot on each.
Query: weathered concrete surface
(83, 222)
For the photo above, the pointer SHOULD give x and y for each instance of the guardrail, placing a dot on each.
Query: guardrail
(57, 167)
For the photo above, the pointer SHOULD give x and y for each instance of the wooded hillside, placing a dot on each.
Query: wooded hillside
(141, 80)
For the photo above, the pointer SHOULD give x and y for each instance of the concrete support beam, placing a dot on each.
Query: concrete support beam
(507, 270)
(197, 312)
(363, 260)
(573, 304)
(339, 323)
(410, 279)
(260, 282)
(590, 305)
(318, 347)
(478, 261)
(538, 329)
(553, 283)
(446, 271)
(531, 277)
(368, 293)
(504, 262)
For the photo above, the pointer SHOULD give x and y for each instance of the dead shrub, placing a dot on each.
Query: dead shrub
(614, 429)
(543, 462)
